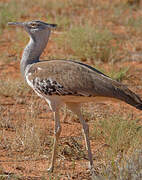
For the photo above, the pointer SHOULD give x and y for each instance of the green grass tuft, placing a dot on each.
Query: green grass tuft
(88, 42)
(119, 134)
(119, 75)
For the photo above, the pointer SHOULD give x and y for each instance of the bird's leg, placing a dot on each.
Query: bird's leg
(87, 141)
(75, 107)
(57, 132)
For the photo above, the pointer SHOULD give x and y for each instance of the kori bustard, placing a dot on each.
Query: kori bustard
(66, 81)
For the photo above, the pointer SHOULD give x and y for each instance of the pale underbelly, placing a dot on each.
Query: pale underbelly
(80, 99)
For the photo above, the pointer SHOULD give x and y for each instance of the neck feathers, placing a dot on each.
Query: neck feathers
(34, 49)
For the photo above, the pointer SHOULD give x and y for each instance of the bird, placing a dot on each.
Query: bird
(70, 82)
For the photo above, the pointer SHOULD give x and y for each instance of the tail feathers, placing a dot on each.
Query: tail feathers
(105, 86)
(139, 106)
(125, 94)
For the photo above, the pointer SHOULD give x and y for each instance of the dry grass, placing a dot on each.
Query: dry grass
(88, 42)
(119, 134)
(96, 32)
(127, 168)
(87, 38)
(13, 88)
(30, 138)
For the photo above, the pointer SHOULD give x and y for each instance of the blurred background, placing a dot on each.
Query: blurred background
(104, 34)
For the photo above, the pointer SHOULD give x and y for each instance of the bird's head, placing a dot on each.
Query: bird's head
(34, 27)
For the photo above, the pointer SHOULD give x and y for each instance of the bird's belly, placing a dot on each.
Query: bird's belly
(75, 99)
(83, 99)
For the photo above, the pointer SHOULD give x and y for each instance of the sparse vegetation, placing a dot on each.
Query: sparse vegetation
(119, 134)
(128, 168)
(30, 138)
(88, 42)
(8, 11)
(12, 88)
(101, 33)
(119, 75)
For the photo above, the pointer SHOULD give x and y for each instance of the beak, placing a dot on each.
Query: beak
(52, 26)
(20, 24)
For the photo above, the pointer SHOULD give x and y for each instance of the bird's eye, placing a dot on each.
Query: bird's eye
(33, 25)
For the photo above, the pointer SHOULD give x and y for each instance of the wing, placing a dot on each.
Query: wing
(62, 77)
(58, 77)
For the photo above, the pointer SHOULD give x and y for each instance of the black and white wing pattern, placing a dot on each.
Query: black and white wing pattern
(60, 78)
(49, 86)
(69, 78)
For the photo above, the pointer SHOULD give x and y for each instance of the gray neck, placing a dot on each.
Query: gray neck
(34, 49)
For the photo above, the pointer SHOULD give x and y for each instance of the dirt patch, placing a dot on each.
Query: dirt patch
(18, 160)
